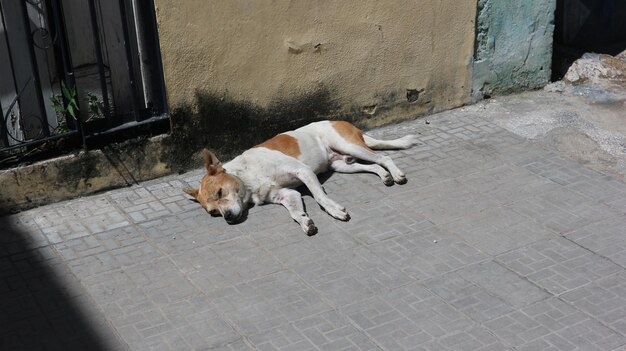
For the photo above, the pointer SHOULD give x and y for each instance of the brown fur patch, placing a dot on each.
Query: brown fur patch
(350, 133)
(284, 143)
(211, 184)
(207, 193)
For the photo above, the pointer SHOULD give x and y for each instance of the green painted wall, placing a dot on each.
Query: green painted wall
(513, 49)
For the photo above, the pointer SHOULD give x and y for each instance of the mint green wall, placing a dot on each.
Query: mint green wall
(513, 49)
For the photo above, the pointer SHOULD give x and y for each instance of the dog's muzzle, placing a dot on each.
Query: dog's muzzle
(230, 217)
(234, 214)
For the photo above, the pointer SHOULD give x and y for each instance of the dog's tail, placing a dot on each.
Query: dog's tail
(401, 143)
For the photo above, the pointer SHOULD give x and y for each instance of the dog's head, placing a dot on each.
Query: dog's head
(220, 193)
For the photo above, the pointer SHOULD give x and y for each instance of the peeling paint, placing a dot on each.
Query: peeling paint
(513, 49)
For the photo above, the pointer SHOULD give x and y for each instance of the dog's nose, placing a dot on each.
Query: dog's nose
(228, 216)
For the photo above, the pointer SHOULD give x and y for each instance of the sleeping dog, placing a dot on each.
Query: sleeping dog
(270, 171)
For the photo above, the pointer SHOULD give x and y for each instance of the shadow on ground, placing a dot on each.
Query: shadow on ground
(40, 305)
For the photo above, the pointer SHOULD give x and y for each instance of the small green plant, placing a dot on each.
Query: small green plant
(71, 108)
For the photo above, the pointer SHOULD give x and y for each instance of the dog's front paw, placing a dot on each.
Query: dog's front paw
(339, 213)
(343, 216)
(309, 227)
(401, 179)
(388, 179)
(347, 218)
(334, 209)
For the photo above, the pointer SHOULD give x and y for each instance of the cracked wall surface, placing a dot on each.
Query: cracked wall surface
(513, 49)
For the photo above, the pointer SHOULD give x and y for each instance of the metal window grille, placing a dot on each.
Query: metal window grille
(77, 70)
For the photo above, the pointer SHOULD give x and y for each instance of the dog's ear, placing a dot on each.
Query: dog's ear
(211, 163)
(192, 192)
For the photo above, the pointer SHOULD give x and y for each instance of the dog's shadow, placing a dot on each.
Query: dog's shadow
(243, 218)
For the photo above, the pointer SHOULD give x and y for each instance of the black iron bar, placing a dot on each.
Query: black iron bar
(98, 44)
(63, 55)
(4, 132)
(158, 61)
(45, 129)
(130, 125)
(129, 57)
(41, 141)
(10, 108)
(150, 54)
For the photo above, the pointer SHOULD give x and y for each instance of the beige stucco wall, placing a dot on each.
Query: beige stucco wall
(365, 52)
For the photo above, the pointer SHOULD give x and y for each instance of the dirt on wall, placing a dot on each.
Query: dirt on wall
(228, 126)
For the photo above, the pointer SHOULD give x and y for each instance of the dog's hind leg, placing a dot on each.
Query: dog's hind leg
(292, 201)
(344, 167)
(401, 143)
(352, 142)
(364, 153)
(331, 207)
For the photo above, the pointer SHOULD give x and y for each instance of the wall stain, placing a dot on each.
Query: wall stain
(229, 126)
(87, 168)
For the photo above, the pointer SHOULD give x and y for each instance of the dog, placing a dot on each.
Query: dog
(269, 172)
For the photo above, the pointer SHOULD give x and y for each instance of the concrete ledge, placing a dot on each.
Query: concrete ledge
(83, 173)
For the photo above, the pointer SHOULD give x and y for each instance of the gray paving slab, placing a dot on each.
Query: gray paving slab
(497, 230)
(558, 265)
(428, 253)
(604, 300)
(606, 238)
(326, 331)
(413, 318)
(563, 210)
(264, 303)
(467, 296)
(553, 324)
(496, 243)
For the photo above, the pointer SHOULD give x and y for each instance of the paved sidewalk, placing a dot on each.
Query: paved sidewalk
(496, 243)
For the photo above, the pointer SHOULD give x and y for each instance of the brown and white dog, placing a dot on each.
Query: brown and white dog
(268, 172)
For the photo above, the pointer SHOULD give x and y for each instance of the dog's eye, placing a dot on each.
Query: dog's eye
(219, 193)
